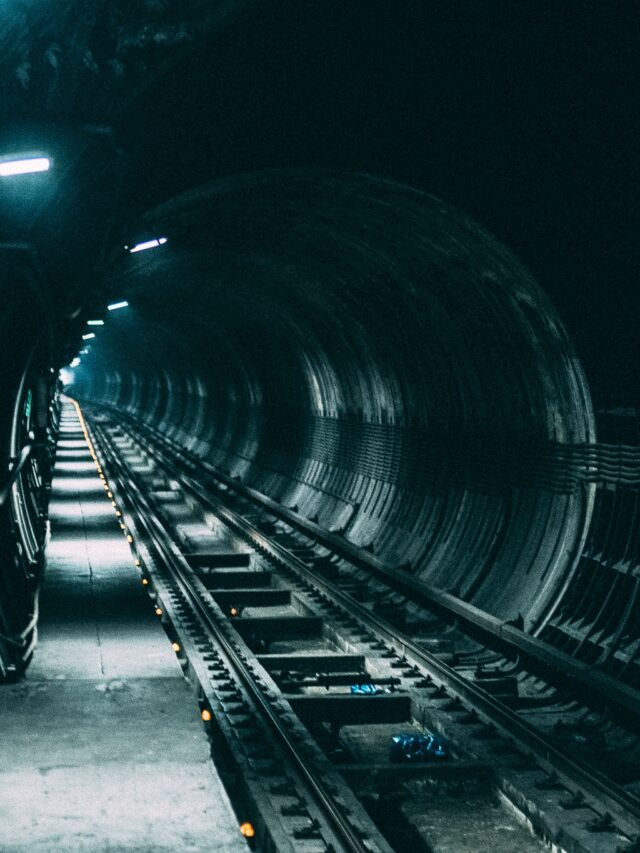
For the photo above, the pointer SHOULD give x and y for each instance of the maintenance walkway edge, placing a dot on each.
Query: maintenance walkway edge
(101, 744)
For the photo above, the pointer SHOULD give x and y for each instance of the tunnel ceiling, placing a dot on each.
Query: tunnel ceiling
(524, 118)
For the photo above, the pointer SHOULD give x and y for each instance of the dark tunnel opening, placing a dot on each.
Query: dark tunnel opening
(399, 376)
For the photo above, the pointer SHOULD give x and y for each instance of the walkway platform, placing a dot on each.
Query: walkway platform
(101, 744)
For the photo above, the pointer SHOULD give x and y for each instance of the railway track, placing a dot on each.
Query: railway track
(267, 610)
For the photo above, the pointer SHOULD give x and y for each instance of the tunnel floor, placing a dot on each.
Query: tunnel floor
(102, 745)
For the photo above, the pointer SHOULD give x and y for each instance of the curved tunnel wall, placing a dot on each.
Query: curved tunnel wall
(357, 349)
(26, 424)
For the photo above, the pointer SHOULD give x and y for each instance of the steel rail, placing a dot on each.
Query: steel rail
(590, 681)
(573, 773)
(612, 692)
(180, 570)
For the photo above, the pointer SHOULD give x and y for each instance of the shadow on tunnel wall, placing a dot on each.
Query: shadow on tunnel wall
(359, 350)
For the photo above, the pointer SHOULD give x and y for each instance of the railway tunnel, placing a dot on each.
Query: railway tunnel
(375, 270)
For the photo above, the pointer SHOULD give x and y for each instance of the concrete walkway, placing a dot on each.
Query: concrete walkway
(101, 745)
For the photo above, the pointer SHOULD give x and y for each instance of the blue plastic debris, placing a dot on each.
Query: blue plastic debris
(413, 747)
(366, 689)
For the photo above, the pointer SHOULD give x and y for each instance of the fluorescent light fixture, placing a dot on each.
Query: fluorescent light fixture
(115, 305)
(84, 351)
(95, 322)
(67, 376)
(24, 166)
(88, 336)
(75, 362)
(148, 244)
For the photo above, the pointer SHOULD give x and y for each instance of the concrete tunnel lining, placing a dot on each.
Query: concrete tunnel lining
(358, 349)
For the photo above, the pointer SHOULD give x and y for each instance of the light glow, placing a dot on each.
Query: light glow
(88, 336)
(115, 305)
(75, 362)
(95, 322)
(67, 377)
(24, 166)
(148, 244)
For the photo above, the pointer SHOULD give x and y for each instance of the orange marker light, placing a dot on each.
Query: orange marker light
(205, 714)
(109, 494)
(158, 611)
(129, 538)
(247, 829)
(118, 513)
(234, 611)
(145, 582)
(175, 647)
(138, 563)
(114, 504)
